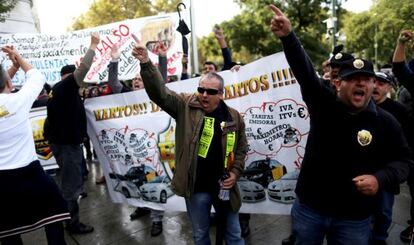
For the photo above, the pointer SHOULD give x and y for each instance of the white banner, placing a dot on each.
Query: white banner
(49, 53)
(37, 118)
(134, 139)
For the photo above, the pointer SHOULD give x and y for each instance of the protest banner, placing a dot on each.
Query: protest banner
(135, 140)
(37, 118)
(49, 53)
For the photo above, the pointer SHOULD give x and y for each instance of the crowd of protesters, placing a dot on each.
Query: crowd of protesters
(357, 172)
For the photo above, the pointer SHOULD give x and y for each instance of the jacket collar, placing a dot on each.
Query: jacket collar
(195, 103)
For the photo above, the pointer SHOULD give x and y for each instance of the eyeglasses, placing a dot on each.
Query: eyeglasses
(210, 91)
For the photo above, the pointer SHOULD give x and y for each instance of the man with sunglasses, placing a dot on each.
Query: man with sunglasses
(210, 145)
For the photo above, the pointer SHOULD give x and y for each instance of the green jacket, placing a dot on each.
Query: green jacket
(189, 116)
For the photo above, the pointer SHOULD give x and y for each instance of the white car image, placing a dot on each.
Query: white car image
(283, 190)
(251, 191)
(129, 183)
(157, 190)
(128, 188)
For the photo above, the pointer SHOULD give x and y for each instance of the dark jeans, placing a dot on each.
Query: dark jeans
(198, 210)
(310, 227)
(383, 216)
(69, 158)
(410, 182)
(54, 234)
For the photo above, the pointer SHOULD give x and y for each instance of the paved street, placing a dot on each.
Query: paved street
(113, 226)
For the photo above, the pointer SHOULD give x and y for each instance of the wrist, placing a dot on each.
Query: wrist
(93, 46)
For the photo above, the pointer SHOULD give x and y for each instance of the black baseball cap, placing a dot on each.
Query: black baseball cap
(340, 58)
(356, 67)
(385, 78)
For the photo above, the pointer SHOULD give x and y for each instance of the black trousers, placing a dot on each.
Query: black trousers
(54, 234)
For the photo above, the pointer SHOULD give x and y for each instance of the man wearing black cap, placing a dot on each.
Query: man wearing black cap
(335, 63)
(383, 215)
(353, 150)
(66, 128)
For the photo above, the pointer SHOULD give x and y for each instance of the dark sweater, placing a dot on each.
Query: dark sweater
(333, 154)
(66, 113)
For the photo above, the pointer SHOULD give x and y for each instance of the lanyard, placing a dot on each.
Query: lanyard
(231, 136)
(207, 137)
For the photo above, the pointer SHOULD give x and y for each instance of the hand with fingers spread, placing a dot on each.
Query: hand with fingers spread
(280, 24)
(11, 52)
(367, 184)
(13, 56)
(16, 59)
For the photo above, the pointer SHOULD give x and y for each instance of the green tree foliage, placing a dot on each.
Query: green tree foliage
(388, 17)
(104, 12)
(5, 7)
(248, 34)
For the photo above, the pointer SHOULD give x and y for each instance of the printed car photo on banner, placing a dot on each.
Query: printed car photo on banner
(135, 140)
(49, 53)
(44, 153)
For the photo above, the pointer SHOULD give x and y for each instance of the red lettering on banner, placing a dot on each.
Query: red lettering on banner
(123, 27)
(104, 59)
(105, 46)
(170, 62)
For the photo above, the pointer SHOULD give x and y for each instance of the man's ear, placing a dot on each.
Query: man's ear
(337, 82)
(221, 95)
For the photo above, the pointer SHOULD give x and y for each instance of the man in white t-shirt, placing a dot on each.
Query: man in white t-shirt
(30, 198)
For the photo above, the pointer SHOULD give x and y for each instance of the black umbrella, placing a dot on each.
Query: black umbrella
(183, 29)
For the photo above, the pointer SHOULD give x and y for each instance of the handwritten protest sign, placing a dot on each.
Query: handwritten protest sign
(49, 53)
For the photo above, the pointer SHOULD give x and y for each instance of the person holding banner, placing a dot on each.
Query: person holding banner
(66, 129)
(30, 198)
(137, 84)
(354, 149)
(210, 150)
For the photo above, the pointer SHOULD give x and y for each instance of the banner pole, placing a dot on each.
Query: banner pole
(193, 40)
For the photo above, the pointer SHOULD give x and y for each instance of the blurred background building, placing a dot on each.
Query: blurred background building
(21, 19)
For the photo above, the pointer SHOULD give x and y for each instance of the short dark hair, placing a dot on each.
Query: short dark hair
(3, 78)
(67, 69)
(213, 75)
(211, 63)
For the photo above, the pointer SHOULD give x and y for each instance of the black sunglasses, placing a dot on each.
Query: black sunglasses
(210, 91)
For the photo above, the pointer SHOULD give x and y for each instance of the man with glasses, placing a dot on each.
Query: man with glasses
(216, 154)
